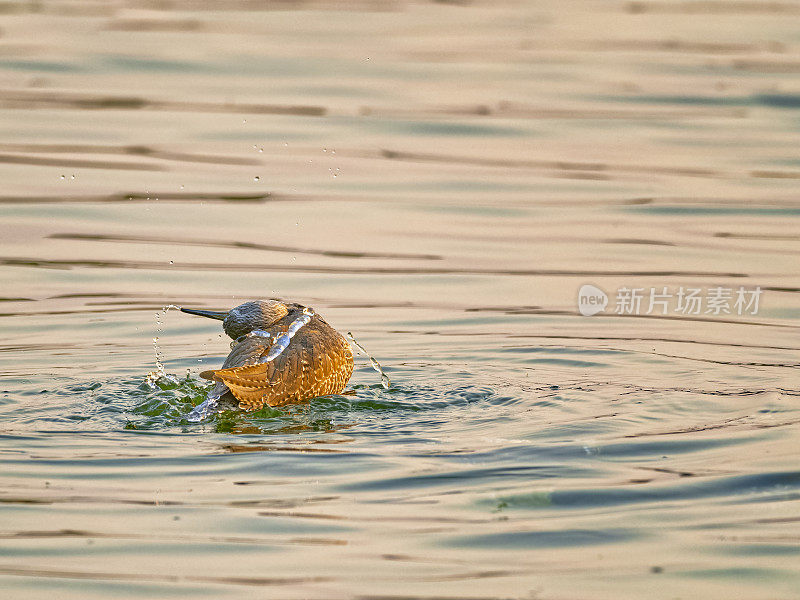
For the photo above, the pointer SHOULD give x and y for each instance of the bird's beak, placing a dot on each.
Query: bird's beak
(219, 316)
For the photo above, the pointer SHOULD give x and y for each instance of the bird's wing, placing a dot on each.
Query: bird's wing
(305, 369)
(244, 353)
(254, 383)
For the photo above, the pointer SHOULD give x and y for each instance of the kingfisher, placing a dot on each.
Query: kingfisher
(281, 354)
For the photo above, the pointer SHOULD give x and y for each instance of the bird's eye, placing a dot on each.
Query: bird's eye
(239, 340)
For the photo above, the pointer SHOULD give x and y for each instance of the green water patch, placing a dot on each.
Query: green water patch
(128, 64)
(784, 101)
(64, 582)
(790, 548)
(743, 487)
(42, 66)
(100, 548)
(692, 100)
(701, 211)
(465, 477)
(439, 128)
(565, 538)
(603, 456)
(740, 573)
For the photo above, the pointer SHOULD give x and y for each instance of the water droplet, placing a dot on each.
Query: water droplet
(171, 262)
(385, 382)
(256, 178)
(72, 176)
(285, 144)
(202, 411)
(160, 373)
(244, 120)
(324, 149)
(182, 187)
(333, 151)
(63, 177)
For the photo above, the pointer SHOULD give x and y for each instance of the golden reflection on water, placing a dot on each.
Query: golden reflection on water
(439, 178)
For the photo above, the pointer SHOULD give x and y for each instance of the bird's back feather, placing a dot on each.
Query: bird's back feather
(317, 362)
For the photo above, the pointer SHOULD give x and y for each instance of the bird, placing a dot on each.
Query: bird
(282, 353)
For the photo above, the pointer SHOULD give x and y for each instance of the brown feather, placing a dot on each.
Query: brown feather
(317, 362)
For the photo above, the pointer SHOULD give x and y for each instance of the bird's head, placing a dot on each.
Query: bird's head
(247, 317)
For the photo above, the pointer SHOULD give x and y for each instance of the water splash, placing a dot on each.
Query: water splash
(255, 333)
(282, 341)
(385, 381)
(208, 407)
(160, 373)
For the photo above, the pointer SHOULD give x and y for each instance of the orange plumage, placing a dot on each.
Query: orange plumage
(317, 360)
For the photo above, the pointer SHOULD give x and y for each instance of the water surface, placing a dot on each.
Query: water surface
(440, 179)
